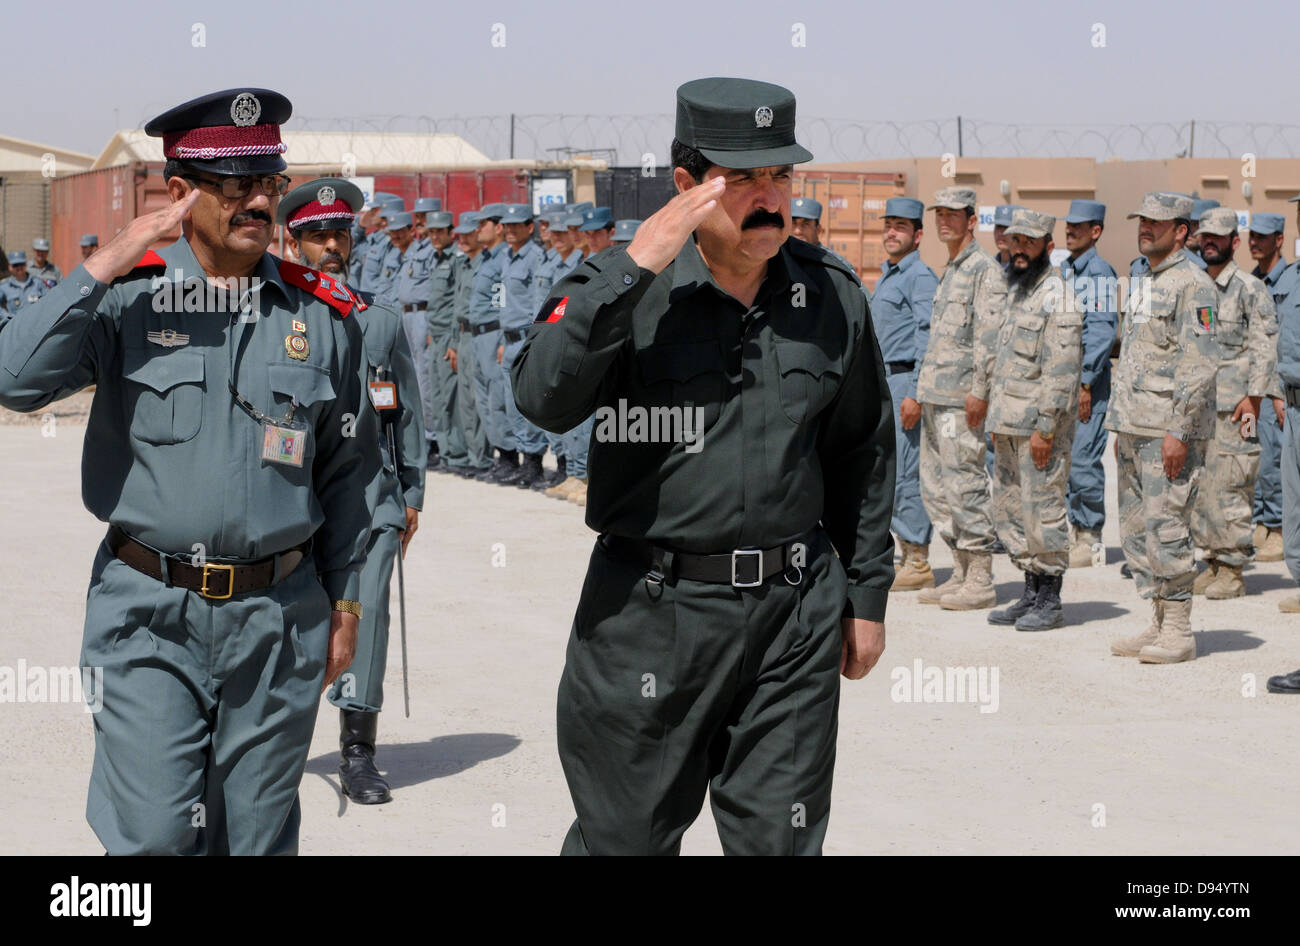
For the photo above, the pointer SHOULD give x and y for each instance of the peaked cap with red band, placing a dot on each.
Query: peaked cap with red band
(235, 132)
(327, 203)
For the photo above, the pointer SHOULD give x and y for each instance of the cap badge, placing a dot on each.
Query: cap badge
(762, 117)
(245, 109)
(325, 195)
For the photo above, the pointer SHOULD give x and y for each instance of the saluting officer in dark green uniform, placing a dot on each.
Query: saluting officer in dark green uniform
(743, 437)
(226, 449)
(318, 216)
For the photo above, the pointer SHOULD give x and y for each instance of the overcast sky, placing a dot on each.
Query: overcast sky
(74, 63)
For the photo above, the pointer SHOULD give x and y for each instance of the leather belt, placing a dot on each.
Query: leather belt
(415, 307)
(513, 335)
(1292, 396)
(898, 367)
(741, 568)
(214, 580)
(464, 324)
(483, 329)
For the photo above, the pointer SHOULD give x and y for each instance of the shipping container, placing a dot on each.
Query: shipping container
(853, 210)
(631, 194)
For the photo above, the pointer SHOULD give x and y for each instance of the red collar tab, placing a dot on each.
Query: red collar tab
(150, 259)
(324, 287)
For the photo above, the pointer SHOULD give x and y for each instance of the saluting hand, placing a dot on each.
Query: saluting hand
(117, 256)
(661, 237)
(342, 645)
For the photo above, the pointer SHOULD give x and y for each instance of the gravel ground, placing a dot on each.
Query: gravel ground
(1081, 753)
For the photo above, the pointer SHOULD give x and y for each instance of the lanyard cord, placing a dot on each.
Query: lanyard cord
(236, 358)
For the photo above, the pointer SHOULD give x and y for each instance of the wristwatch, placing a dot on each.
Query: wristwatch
(348, 607)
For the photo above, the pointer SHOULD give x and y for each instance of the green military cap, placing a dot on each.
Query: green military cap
(1164, 205)
(739, 123)
(1219, 221)
(327, 203)
(953, 198)
(1031, 223)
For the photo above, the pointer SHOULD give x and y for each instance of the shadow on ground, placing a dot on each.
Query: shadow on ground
(1219, 641)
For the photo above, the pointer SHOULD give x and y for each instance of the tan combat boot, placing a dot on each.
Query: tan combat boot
(1082, 551)
(562, 490)
(1205, 576)
(976, 590)
(1270, 550)
(1259, 535)
(1175, 642)
(1132, 646)
(1227, 584)
(579, 494)
(915, 572)
(1289, 605)
(933, 594)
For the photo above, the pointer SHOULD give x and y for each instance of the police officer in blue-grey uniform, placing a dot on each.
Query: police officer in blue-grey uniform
(1001, 220)
(377, 270)
(1288, 369)
(318, 216)
(1093, 283)
(461, 355)
(1192, 245)
(20, 288)
(624, 231)
(521, 262)
(362, 241)
(41, 266)
(553, 260)
(487, 297)
(420, 211)
(89, 243)
(412, 258)
(901, 309)
(1266, 237)
(805, 223)
(228, 454)
(446, 438)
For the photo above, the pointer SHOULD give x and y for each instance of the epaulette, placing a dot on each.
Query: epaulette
(820, 254)
(324, 287)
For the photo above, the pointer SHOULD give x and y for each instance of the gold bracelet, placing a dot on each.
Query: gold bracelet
(348, 607)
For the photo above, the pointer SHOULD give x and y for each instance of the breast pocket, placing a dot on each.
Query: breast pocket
(1231, 334)
(168, 394)
(687, 375)
(1027, 337)
(809, 378)
(306, 384)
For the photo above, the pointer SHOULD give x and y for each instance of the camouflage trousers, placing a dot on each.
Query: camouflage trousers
(1221, 518)
(954, 483)
(1029, 504)
(1155, 516)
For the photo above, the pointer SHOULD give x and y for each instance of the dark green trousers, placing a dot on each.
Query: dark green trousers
(360, 688)
(672, 689)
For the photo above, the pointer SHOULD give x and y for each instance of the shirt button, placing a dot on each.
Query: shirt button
(627, 280)
(85, 290)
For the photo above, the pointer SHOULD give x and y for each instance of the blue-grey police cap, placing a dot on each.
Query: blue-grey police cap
(1266, 223)
(1086, 211)
(1003, 213)
(557, 219)
(494, 211)
(426, 205)
(598, 218)
(1199, 206)
(90, 239)
(468, 222)
(805, 208)
(233, 132)
(438, 219)
(517, 213)
(17, 258)
(40, 243)
(908, 208)
(398, 220)
(625, 230)
(579, 208)
(380, 199)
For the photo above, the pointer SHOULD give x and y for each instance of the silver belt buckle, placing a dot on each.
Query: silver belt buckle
(735, 557)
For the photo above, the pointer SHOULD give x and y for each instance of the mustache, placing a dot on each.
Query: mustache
(327, 258)
(760, 218)
(247, 215)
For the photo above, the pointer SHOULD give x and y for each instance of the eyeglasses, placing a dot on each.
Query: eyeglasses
(272, 185)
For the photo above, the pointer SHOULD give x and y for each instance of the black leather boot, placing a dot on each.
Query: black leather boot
(509, 468)
(555, 478)
(1014, 611)
(1047, 612)
(530, 471)
(361, 780)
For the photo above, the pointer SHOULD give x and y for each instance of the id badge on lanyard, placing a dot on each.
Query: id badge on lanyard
(283, 442)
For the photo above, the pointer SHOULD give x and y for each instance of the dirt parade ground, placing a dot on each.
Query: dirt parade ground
(965, 739)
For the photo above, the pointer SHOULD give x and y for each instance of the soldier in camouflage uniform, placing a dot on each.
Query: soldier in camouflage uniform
(1246, 330)
(953, 388)
(1033, 410)
(1162, 409)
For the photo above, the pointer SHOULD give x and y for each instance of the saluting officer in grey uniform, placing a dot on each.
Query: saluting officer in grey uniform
(42, 268)
(1267, 232)
(226, 450)
(20, 288)
(318, 216)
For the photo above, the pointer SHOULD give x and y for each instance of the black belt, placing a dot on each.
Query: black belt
(477, 330)
(415, 307)
(898, 367)
(1292, 397)
(513, 335)
(742, 568)
(212, 579)
(464, 324)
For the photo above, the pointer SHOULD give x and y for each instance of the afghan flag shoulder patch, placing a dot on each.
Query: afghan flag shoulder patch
(1205, 317)
(554, 314)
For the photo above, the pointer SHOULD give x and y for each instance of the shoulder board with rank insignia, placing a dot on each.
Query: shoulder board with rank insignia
(323, 287)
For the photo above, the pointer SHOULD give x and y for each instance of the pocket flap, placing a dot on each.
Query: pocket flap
(1157, 383)
(678, 362)
(1018, 387)
(307, 382)
(162, 371)
(809, 358)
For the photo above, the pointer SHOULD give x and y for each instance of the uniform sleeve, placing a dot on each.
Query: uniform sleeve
(1262, 338)
(573, 348)
(856, 448)
(922, 302)
(1098, 326)
(990, 304)
(342, 469)
(1062, 357)
(58, 344)
(1198, 362)
(411, 457)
